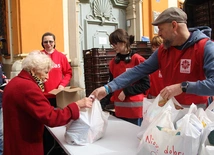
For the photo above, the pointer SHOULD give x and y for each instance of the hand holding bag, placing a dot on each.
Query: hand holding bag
(161, 137)
(152, 109)
(90, 127)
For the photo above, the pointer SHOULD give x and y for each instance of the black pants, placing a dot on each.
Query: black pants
(49, 143)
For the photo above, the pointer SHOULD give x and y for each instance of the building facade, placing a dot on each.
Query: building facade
(77, 24)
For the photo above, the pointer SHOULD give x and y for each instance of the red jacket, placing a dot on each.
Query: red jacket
(156, 83)
(25, 111)
(59, 75)
(131, 107)
(186, 66)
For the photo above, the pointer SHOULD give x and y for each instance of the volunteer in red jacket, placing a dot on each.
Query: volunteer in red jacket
(127, 101)
(60, 75)
(26, 110)
(156, 79)
(186, 61)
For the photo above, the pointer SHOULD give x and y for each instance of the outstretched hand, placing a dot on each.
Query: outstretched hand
(99, 93)
(171, 91)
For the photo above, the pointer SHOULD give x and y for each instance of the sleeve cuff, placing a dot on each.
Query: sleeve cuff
(74, 111)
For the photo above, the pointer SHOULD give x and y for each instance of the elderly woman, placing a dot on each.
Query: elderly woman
(26, 110)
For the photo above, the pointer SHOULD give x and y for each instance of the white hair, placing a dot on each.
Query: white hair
(37, 61)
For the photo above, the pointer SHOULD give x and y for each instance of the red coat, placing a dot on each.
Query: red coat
(25, 111)
(60, 74)
(156, 83)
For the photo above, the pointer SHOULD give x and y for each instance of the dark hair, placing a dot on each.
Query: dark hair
(120, 35)
(48, 34)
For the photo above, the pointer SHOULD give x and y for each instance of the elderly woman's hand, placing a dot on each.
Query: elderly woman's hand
(85, 102)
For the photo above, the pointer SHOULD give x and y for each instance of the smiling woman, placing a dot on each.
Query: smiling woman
(61, 72)
(58, 78)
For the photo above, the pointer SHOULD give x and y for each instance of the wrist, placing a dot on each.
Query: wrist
(77, 105)
(184, 86)
(107, 89)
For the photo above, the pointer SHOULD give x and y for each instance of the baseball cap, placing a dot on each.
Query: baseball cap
(171, 14)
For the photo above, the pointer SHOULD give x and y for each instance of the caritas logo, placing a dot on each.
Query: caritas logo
(185, 66)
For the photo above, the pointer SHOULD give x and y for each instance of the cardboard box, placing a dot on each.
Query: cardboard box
(66, 96)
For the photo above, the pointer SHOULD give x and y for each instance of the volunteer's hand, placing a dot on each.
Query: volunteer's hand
(171, 91)
(99, 93)
(61, 87)
(122, 96)
(85, 102)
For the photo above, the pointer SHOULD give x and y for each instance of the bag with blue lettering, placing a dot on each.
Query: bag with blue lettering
(164, 137)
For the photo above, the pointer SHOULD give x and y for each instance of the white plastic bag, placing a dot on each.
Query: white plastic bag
(202, 116)
(90, 127)
(206, 148)
(150, 142)
(191, 130)
(161, 137)
(146, 104)
(155, 108)
(210, 111)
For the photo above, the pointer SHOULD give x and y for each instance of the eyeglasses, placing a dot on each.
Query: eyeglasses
(48, 41)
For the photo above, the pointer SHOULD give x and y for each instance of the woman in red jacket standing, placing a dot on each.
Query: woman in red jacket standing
(156, 79)
(61, 73)
(59, 77)
(26, 110)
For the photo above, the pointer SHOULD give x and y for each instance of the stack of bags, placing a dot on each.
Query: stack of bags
(168, 128)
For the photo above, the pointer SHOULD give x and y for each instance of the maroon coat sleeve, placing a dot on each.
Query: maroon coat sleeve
(39, 107)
